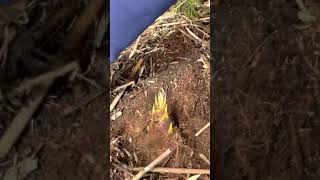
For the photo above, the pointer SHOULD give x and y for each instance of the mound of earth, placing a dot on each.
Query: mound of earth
(186, 84)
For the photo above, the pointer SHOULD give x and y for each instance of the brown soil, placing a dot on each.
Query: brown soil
(72, 129)
(186, 84)
(267, 95)
(70, 124)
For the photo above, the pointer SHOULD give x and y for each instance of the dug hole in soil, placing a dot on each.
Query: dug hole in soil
(186, 84)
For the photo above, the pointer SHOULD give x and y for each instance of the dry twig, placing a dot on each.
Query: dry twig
(194, 35)
(191, 37)
(152, 164)
(204, 158)
(21, 120)
(27, 85)
(134, 49)
(202, 129)
(124, 86)
(116, 100)
(89, 81)
(118, 97)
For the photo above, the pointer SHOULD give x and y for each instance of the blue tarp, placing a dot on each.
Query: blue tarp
(129, 18)
(4, 2)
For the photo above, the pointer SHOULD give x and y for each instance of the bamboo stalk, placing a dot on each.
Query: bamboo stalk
(174, 170)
